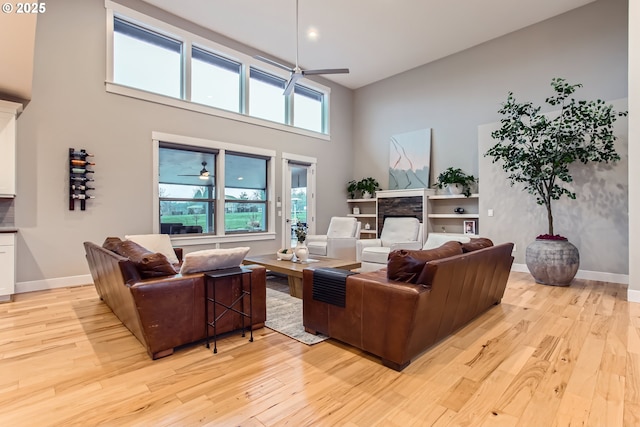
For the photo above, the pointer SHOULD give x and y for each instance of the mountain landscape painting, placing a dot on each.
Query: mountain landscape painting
(409, 160)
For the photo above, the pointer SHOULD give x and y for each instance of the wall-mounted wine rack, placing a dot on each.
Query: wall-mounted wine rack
(80, 177)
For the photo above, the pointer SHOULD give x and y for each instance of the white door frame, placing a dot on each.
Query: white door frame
(310, 162)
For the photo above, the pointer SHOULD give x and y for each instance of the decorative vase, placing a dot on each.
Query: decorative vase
(301, 251)
(552, 262)
(454, 189)
(366, 195)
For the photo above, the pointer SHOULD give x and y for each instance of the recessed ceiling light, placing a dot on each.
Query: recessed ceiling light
(312, 34)
(240, 178)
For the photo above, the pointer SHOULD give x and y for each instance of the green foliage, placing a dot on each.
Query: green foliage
(301, 232)
(536, 150)
(370, 185)
(455, 176)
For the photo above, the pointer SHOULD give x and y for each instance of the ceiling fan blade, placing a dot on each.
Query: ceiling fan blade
(274, 63)
(326, 71)
(292, 82)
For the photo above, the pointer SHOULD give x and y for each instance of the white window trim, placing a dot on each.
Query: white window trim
(189, 39)
(219, 236)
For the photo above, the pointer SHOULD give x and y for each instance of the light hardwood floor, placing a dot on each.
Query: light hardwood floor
(545, 357)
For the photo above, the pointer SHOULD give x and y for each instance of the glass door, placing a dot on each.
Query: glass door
(298, 198)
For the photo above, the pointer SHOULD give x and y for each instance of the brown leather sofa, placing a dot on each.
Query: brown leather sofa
(167, 312)
(397, 321)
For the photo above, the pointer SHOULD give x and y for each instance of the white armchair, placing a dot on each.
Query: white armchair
(397, 233)
(340, 240)
(435, 240)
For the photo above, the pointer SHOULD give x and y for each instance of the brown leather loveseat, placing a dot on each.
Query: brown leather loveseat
(398, 320)
(168, 311)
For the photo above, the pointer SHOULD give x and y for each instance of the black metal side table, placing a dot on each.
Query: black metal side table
(211, 278)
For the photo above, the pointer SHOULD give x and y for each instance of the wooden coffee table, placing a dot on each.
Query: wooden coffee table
(293, 270)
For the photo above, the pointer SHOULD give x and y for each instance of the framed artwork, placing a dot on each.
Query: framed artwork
(469, 227)
(409, 160)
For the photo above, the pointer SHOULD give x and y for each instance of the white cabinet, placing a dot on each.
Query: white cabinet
(365, 211)
(7, 266)
(443, 217)
(8, 114)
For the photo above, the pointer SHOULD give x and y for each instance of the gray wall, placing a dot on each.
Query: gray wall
(70, 108)
(456, 95)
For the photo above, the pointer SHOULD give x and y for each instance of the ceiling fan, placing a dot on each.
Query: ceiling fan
(204, 173)
(296, 72)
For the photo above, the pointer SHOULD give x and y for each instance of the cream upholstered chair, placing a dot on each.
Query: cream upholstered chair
(397, 233)
(340, 240)
(435, 240)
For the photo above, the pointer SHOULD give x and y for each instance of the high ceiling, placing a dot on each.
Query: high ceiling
(374, 38)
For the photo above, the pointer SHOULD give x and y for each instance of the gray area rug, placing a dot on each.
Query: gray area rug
(284, 312)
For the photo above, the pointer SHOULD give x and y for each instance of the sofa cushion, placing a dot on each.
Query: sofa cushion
(406, 265)
(376, 254)
(476, 243)
(149, 264)
(156, 243)
(435, 240)
(111, 243)
(213, 259)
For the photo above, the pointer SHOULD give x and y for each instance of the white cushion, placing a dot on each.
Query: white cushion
(342, 227)
(213, 259)
(156, 243)
(400, 229)
(317, 248)
(435, 240)
(378, 255)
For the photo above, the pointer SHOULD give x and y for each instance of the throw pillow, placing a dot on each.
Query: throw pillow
(476, 243)
(148, 264)
(156, 243)
(213, 259)
(111, 243)
(406, 265)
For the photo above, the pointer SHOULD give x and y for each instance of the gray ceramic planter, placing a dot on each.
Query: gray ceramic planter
(552, 262)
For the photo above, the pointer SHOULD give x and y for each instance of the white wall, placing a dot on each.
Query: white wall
(456, 95)
(634, 150)
(70, 108)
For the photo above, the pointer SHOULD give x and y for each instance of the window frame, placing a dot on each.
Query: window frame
(220, 235)
(190, 40)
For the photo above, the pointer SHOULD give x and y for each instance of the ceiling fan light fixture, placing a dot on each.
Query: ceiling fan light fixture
(296, 72)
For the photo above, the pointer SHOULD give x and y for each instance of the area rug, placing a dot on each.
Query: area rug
(284, 312)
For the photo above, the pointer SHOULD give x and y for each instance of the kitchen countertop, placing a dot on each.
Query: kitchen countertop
(8, 229)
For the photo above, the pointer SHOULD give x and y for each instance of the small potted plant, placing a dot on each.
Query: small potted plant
(455, 181)
(352, 187)
(368, 186)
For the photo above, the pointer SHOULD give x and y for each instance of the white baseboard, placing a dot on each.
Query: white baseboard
(585, 274)
(58, 282)
(633, 296)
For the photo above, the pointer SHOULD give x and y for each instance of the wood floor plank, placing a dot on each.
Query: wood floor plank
(548, 356)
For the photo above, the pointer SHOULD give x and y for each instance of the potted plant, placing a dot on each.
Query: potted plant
(368, 186)
(352, 187)
(301, 251)
(535, 150)
(455, 181)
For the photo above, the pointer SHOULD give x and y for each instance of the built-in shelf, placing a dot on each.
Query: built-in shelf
(453, 196)
(367, 214)
(443, 218)
(453, 216)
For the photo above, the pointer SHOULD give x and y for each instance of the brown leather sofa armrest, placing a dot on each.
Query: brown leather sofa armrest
(165, 307)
